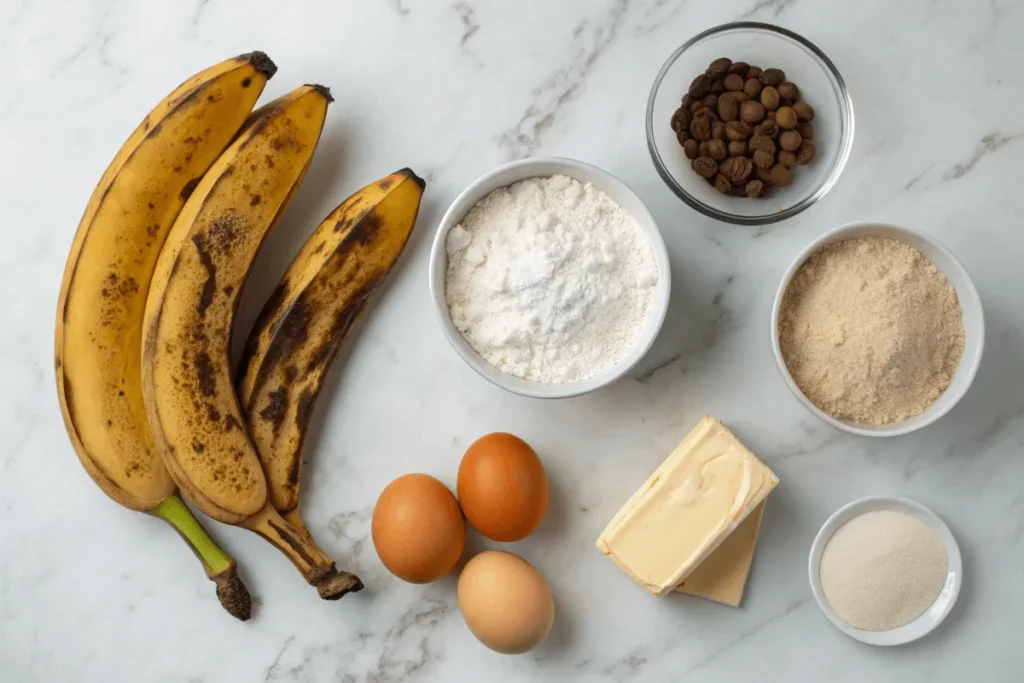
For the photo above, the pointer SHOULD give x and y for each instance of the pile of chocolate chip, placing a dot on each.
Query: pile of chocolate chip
(744, 128)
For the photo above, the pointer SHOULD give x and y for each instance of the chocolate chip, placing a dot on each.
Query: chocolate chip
(786, 118)
(706, 167)
(718, 68)
(781, 175)
(699, 87)
(806, 153)
(789, 140)
(804, 111)
(690, 148)
(772, 77)
(752, 111)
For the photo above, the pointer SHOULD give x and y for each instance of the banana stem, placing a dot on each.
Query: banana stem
(304, 553)
(295, 520)
(220, 567)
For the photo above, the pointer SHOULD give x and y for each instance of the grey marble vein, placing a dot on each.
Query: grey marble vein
(629, 666)
(467, 16)
(273, 669)
(548, 98)
(745, 636)
(777, 7)
(648, 374)
(659, 14)
(913, 182)
(197, 15)
(990, 144)
(414, 626)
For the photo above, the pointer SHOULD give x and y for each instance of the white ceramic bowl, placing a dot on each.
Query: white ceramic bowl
(585, 173)
(970, 310)
(934, 615)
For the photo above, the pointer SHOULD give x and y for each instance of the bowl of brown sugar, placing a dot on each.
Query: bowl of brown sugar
(877, 329)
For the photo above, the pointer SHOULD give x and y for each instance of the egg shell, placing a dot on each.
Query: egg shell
(506, 603)
(502, 487)
(418, 529)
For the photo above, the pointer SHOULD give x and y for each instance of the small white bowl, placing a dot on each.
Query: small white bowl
(934, 615)
(970, 311)
(585, 173)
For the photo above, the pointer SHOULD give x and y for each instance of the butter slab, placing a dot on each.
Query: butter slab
(699, 495)
(722, 577)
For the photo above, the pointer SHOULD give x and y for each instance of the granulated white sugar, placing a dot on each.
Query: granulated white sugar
(882, 570)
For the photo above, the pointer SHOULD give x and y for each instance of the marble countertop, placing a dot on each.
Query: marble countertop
(91, 592)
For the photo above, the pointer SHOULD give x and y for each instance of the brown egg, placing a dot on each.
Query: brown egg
(506, 603)
(417, 528)
(502, 487)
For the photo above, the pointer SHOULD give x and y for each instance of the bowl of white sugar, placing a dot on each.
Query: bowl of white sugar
(885, 570)
(550, 277)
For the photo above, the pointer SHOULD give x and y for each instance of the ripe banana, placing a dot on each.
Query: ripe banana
(186, 376)
(103, 295)
(309, 316)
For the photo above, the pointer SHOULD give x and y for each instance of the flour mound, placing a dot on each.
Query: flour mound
(549, 279)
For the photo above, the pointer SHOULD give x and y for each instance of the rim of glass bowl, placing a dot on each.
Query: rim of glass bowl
(845, 139)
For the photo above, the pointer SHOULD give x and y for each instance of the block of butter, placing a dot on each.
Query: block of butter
(722, 577)
(705, 488)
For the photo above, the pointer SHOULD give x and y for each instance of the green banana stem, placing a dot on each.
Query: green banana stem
(220, 567)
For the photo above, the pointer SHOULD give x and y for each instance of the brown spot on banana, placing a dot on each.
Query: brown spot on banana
(206, 374)
(298, 547)
(274, 412)
(210, 287)
(69, 398)
(343, 322)
(291, 332)
(189, 188)
(365, 231)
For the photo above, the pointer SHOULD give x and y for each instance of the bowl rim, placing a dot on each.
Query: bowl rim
(845, 140)
(967, 298)
(940, 607)
(517, 385)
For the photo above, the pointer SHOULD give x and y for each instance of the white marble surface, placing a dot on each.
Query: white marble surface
(91, 592)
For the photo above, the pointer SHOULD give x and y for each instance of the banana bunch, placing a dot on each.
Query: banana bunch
(308, 318)
(103, 296)
(186, 374)
(148, 303)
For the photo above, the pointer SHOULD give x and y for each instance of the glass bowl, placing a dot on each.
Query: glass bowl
(765, 46)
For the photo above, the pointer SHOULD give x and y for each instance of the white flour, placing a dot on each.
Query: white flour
(549, 280)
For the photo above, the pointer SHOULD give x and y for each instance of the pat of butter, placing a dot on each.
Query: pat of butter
(722, 577)
(686, 508)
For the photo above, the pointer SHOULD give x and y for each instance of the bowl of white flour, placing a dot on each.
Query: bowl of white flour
(550, 277)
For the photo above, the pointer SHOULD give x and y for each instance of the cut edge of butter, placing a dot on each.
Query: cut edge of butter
(722, 577)
(632, 537)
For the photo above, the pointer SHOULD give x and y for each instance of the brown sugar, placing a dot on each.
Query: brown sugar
(870, 330)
